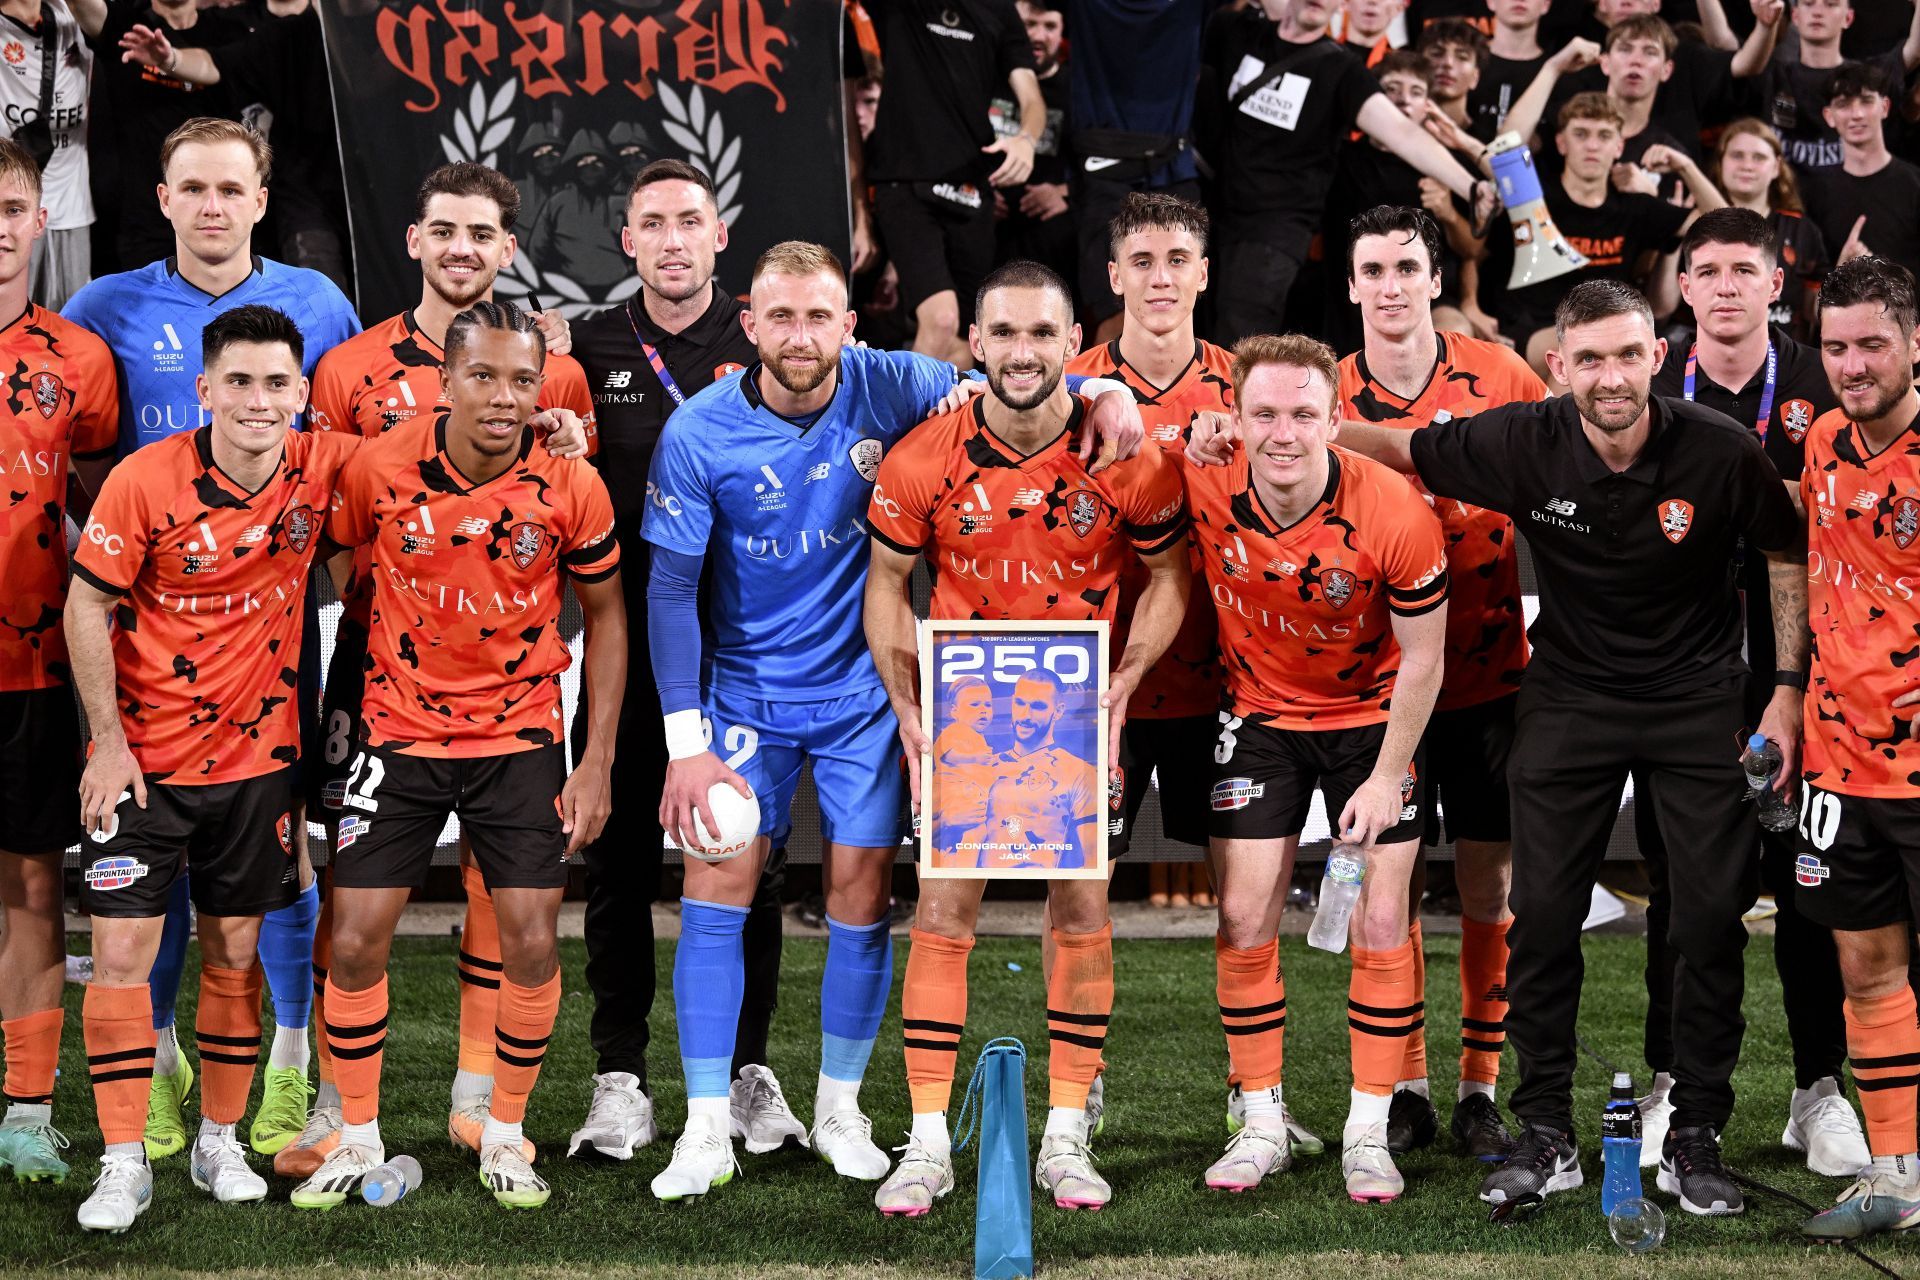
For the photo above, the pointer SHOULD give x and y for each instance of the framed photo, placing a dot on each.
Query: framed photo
(1016, 787)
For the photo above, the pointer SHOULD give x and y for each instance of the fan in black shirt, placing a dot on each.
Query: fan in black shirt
(1795, 89)
(1868, 204)
(1752, 172)
(1514, 58)
(1456, 54)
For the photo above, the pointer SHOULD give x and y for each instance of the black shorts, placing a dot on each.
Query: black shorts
(39, 770)
(940, 236)
(327, 762)
(1264, 779)
(235, 837)
(1859, 862)
(1467, 752)
(1176, 755)
(508, 806)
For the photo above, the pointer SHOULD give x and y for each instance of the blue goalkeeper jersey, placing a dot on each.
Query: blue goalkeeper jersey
(152, 318)
(778, 510)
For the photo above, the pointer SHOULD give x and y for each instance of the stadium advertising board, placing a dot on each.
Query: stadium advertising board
(570, 98)
(1016, 785)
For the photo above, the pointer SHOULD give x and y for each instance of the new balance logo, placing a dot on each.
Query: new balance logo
(1029, 497)
(1169, 432)
(1866, 500)
(251, 534)
(472, 526)
(618, 378)
(1497, 994)
(1562, 507)
(819, 471)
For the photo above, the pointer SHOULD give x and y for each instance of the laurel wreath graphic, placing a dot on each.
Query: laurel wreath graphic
(482, 126)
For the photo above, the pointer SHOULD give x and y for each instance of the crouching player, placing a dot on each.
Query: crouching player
(474, 533)
(1328, 576)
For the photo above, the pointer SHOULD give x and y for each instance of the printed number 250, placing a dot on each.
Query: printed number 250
(1010, 661)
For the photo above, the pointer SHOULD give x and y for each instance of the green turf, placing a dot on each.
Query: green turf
(1165, 1125)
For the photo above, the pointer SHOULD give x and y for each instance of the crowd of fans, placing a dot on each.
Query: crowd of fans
(1290, 116)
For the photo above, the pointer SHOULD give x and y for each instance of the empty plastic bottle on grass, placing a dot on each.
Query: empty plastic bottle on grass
(1339, 891)
(1620, 1145)
(1762, 763)
(390, 1181)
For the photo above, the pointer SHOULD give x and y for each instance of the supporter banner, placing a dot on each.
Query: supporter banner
(570, 98)
(1017, 785)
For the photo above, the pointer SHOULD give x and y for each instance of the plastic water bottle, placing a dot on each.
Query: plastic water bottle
(1339, 890)
(392, 1180)
(1620, 1145)
(1762, 763)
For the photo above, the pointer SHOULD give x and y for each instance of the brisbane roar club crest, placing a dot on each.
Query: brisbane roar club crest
(1906, 522)
(47, 389)
(1083, 511)
(528, 539)
(298, 527)
(1676, 517)
(1796, 416)
(1337, 587)
(865, 457)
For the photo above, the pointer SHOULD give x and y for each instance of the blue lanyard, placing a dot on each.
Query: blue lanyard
(1766, 392)
(673, 388)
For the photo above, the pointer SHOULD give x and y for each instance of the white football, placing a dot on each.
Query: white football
(739, 820)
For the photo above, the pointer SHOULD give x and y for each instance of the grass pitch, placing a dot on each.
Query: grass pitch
(790, 1218)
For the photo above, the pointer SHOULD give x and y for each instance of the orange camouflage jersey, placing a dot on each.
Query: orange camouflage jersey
(1863, 572)
(1486, 627)
(389, 374)
(1187, 680)
(206, 644)
(464, 644)
(1305, 611)
(62, 403)
(1021, 537)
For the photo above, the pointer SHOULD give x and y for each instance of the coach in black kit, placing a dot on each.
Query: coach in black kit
(675, 337)
(1633, 506)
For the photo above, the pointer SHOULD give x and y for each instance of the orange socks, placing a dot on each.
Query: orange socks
(1884, 1046)
(322, 959)
(1483, 999)
(526, 1024)
(1253, 1011)
(933, 1013)
(357, 1034)
(118, 1024)
(227, 1025)
(1383, 1009)
(33, 1055)
(1079, 1006)
(1414, 1065)
(480, 971)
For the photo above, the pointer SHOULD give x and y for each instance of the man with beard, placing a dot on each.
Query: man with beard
(462, 235)
(1860, 819)
(994, 495)
(762, 480)
(1043, 792)
(1633, 505)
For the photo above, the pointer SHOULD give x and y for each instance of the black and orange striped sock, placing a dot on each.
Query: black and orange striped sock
(227, 1025)
(1382, 1011)
(1884, 1046)
(933, 1015)
(118, 1025)
(357, 1033)
(526, 1024)
(322, 959)
(1483, 999)
(1079, 1007)
(33, 1055)
(1253, 1011)
(1414, 1065)
(480, 971)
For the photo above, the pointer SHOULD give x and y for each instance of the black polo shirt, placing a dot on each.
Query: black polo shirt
(630, 402)
(1635, 568)
(1801, 393)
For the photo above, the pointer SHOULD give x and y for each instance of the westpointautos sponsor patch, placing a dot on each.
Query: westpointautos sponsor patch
(1236, 793)
(107, 874)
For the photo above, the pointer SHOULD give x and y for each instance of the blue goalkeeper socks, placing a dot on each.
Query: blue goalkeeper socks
(286, 953)
(163, 981)
(709, 980)
(853, 996)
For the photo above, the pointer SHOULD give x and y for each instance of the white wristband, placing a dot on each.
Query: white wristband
(686, 734)
(1094, 388)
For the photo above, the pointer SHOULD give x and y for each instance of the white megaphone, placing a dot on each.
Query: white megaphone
(1540, 252)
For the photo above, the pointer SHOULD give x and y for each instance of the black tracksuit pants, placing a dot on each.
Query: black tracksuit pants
(1573, 751)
